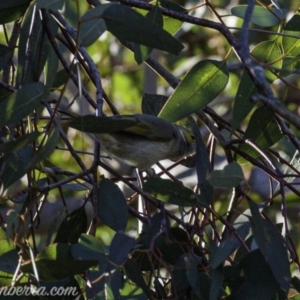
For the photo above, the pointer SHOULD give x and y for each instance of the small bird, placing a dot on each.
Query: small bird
(140, 140)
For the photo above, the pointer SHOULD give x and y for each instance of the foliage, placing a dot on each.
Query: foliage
(222, 224)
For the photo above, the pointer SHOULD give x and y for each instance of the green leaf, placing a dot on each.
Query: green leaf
(169, 24)
(153, 103)
(19, 143)
(142, 52)
(60, 78)
(12, 10)
(195, 277)
(291, 45)
(267, 135)
(120, 247)
(29, 67)
(172, 25)
(48, 148)
(9, 259)
(151, 230)
(180, 281)
(89, 248)
(92, 27)
(72, 227)
(5, 55)
(229, 177)
(17, 165)
(216, 289)
(203, 165)
(134, 273)
(171, 192)
(261, 16)
(121, 22)
(21, 103)
(50, 4)
(257, 281)
(269, 53)
(112, 207)
(231, 241)
(243, 104)
(12, 223)
(272, 246)
(51, 66)
(202, 84)
(55, 262)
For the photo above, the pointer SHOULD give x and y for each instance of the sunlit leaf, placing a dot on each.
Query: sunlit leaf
(269, 53)
(291, 45)
(202, 84)
(261, 16)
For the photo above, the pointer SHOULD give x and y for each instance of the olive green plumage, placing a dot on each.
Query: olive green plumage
(148, 140)
(140, 140)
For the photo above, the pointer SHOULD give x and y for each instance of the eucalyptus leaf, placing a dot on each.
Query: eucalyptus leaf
(120, 22)
(242, 103)
(270, 243)
(112, 206)
(5, 55)
(92, 27)
(19, 143)
(230, 177)
(261, 15)
(291, 45)
(120, 247)
(202, 84)
(171, 192)
(21, 103)
(142, 52)
(267, 135)
(55, 262)
(268, 52)
(12, 10)
(16, 165)
(50, 4)
(231, 241)
(134, 273)
(46, 150)
(72, 227)
(257, 281)
(153, 103)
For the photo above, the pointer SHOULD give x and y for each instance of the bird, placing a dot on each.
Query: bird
(140, 140)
